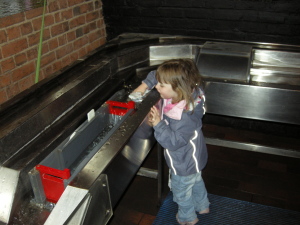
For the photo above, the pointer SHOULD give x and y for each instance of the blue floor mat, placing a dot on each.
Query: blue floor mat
(225, 210)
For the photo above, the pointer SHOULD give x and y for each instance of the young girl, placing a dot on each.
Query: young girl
(178, 130)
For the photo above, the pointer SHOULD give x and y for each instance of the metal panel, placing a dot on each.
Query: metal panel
(9, 181)
(100, 204)
(253, 102)
(67, 205)
(276, 58)
(276, 67)
(125, 165)
(83, 206)
(161, 53)
(225, 61)
(79, 215)
(253, 147)
(130, 57)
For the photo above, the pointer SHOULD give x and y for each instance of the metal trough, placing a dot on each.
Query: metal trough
(252, 81)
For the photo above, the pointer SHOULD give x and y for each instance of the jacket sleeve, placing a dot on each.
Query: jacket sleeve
(173, 139)
(150, 81)
(175, 134)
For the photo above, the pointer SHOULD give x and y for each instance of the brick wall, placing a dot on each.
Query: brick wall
(273, 21)
(73, 28)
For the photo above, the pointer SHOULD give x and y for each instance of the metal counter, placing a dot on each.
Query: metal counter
(255, 81)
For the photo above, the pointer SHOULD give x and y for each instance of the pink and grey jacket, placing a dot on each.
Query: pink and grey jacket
(180, 133)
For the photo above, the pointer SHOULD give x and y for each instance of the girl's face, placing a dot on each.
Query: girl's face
(166, 91)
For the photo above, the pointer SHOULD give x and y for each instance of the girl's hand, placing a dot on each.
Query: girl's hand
(142, 88)
(154, 117)
(137, 94)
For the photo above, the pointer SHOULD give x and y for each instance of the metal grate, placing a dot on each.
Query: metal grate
(227, 211)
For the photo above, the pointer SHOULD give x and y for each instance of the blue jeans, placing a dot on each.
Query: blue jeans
(190, 194)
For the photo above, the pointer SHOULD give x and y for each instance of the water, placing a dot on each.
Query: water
(11, 7)
(29, 213)
(92, 146)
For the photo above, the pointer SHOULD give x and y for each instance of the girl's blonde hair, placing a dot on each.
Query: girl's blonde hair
(184, 77)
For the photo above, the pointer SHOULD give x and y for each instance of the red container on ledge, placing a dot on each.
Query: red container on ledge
(53, 181)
